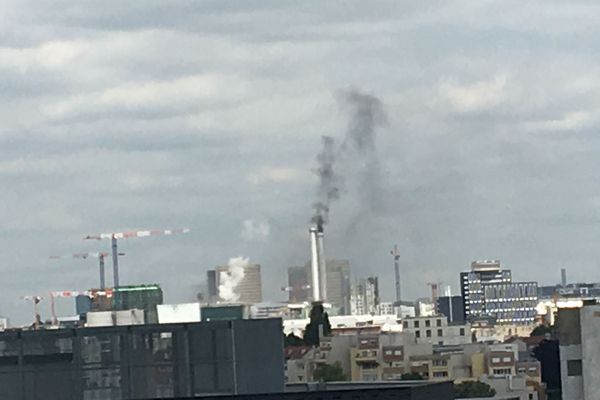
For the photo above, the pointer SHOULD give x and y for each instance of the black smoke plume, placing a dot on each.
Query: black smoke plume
(329, 183)
(357, 151)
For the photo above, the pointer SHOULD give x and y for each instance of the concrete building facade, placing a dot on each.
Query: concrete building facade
(377, 357)
(436, 330)
(579, 339)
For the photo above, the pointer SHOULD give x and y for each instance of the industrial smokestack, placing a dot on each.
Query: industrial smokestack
(322, 266)
(314, 264)
(563, 277)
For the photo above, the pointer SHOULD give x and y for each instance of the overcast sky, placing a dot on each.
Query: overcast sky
(209, 115)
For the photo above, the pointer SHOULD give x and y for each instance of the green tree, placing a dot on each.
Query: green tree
(411, 376)
(542, 330)
(473, 389)
(318, 318)
(329, 373)
(292, 340)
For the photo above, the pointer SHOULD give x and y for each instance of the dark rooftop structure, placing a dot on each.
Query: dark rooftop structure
(143, 361)
(404, 390)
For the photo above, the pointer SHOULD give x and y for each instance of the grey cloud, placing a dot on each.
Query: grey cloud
(490, 147)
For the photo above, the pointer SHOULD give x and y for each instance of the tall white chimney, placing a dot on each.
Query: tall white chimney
(314, 264)
(322, 266)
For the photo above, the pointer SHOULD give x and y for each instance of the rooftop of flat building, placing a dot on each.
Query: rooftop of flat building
(335, 386)
(485, 265)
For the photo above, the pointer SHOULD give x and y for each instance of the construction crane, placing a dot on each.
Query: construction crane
(36, 311)
(100, 256)
(113, 236)
(396, 254)
(64, 293)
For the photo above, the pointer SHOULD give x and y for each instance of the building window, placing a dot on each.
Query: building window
(397, 352)
(574, 367)
(416, 324)
(428, 333)
(427, 323)
(506, 359)
(462, 331)
(438, 322)
(502, 371)
(405, 324)
(440, 332)
(440, 374)
(418, 334)
(495, 360)
(388, 352)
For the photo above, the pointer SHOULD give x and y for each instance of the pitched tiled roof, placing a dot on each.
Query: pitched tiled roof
(528, 340)
(295, 352)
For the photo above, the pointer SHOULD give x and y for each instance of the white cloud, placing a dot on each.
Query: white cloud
(254, 230)
(475, 96)
(277, 175)
(186, 94)
(570, 121)
(51, 55)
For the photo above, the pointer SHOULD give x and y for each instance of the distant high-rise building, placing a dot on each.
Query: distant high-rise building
(357, 298)
(212, 287)
(452, 307)
(471, 284)
(338, 285)
(511, 303)
(372, 294)
(298, 287)
(249, 289)
(488, 291)
(364, 297)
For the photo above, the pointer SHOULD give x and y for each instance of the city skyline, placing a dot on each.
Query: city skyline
(123, 116)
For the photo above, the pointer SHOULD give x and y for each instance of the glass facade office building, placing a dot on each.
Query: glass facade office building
(488, 291)
(511, 303)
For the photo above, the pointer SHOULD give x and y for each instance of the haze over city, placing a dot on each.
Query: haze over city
(119, 116)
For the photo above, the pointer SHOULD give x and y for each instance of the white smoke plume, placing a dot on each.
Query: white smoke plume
(230, 279)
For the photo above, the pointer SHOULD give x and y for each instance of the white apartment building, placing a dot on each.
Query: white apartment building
(436, 330)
